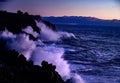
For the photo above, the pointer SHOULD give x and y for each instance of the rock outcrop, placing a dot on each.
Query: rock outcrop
(15, 69)
(50, 25)
(16, 22)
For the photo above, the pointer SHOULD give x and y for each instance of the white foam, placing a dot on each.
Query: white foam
(66, 35)
(29, 30)
(51, 53)
(20, 43)
(48, 34)
(76, 78)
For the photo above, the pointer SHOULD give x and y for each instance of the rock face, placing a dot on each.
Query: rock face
(50, 25)
(15, 69)
(16, 22)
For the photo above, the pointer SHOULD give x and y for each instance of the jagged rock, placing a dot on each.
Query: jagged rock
(15, 22)
(14, 68)
(50, 25)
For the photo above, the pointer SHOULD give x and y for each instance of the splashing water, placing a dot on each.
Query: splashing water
(48, 34)
(50, 53)
(76, 78)
(53, 55)
(29, 30)
(20, 43)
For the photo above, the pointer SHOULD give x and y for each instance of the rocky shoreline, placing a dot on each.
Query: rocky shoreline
(14, 68)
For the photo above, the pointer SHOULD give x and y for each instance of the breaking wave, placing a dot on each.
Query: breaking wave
(30, 49)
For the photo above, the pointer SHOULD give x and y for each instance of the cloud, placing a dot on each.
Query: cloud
(3, 3)
(3, 0)
(31, 6)
(118, 2)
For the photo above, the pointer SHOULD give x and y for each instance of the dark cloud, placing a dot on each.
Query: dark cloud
(118, 1)
(3, 0)
(2, 3)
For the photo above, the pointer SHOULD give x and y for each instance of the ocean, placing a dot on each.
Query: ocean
(81, 54)
(94, 53)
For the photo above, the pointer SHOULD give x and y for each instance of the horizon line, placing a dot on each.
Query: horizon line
(85, 16)
(64, 15)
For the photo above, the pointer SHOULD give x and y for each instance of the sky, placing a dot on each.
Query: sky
(104, 9)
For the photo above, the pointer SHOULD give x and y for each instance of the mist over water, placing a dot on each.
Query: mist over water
(20, 43)
(53, 55)
(48, 34)
(37, 51)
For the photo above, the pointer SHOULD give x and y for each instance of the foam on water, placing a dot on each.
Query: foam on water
(39, 51)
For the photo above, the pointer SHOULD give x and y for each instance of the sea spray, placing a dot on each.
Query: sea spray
(30, 30)
(75, 78)
(47, 34)
(66, 35)
(29, 49)
(38, 51)
(19, 42)
(52, 55)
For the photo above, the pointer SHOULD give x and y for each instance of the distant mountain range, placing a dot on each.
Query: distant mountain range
(80, 20)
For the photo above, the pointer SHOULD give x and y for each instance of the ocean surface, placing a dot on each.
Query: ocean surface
(94, 52)
(81, 54)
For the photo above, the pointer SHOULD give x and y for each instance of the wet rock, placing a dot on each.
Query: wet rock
(16, 69)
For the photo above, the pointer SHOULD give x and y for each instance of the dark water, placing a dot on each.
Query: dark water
(95, 53)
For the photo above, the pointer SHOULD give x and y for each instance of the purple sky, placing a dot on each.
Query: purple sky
(105, 9)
